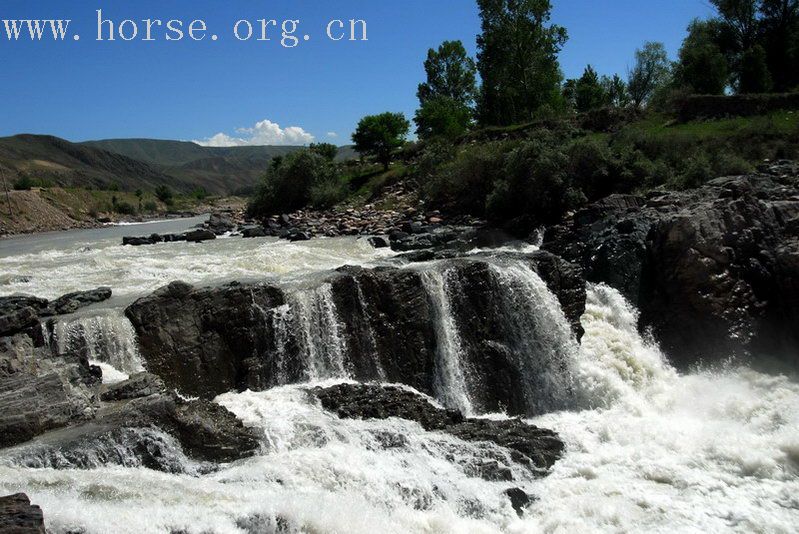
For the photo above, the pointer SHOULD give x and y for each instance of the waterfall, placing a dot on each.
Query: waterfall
(450, 384)
(108, 340)
(539, 335)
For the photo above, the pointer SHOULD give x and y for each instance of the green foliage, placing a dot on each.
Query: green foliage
(124, 208)
(150, 207)
(652, 70)
(754, 76)
(755, 41)
(381, 135)
(616, 93)
(199, 193)
(702, 66)
(328, 151)
(328, 193)
(442, 117)
(451, 73)
(164, 194)
(24, 183)
(288, 183)
(588, 91)
(517, 60)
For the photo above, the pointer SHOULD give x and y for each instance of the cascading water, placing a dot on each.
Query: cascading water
(450, 384)
(648, 449)
(107, 338)
(540, 337)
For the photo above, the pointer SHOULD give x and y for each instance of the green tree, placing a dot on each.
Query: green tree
(446, 98)
(780, 37)
(740, 20)
(754, 76)
(517, 60)
(289, 181)
(652, 70)
(450, 73)
(616, 91)
(702, 67)
(588, 91)
(442, 117)
(164, 194)
(381, 135)
(328, 151)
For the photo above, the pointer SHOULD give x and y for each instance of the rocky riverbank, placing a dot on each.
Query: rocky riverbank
(713, 270)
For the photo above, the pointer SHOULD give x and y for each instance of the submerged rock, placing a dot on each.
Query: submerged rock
(197, 236)
(534, 447)
(19, 516)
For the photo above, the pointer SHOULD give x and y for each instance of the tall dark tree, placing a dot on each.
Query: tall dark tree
(517, 60)
(381, 135)
(450, 73)
(588, 91)
(447, 97)
(780, 39)
(754, 76)
(702, 67)
(616, 91)
(740, 17)
(652, 70)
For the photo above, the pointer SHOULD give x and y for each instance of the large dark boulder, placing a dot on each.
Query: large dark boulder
(712, 270)
(203, 341)
(19, 516)
(198, 236)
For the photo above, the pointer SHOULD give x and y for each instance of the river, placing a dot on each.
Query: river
(648, 449)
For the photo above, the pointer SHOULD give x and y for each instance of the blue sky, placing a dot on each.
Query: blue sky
(254, 91)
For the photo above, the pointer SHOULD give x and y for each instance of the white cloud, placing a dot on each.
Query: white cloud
(264, 132)
(332, 135)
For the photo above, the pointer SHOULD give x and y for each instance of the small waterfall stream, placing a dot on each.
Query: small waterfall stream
(451, 385)
(107, 339)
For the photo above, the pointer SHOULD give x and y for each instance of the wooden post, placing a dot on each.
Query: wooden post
(8, 195)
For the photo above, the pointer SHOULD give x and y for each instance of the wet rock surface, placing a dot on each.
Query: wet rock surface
(712, 270)
(531, 446)
(19, 516)
(22, 312)
(378, 324)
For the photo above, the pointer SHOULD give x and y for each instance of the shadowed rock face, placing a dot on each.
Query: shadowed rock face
(714, 270)
(19, 516)
(368, 324)
(21, 313)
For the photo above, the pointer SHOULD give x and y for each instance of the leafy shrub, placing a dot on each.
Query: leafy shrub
(697, 171)
(164, 194)
(150, 206)
(23, 183)
(288, 183)
(328, 193)
(125, 208)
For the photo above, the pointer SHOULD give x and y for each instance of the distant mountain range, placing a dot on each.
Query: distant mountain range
(139, 163)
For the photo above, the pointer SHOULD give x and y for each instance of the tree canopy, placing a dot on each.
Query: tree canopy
(446, 98)
(652, 70)
(517, 60)
(380, 135)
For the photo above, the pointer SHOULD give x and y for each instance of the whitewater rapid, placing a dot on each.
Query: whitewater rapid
(647, 449)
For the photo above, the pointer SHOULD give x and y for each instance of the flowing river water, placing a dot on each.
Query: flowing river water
(647, 449)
